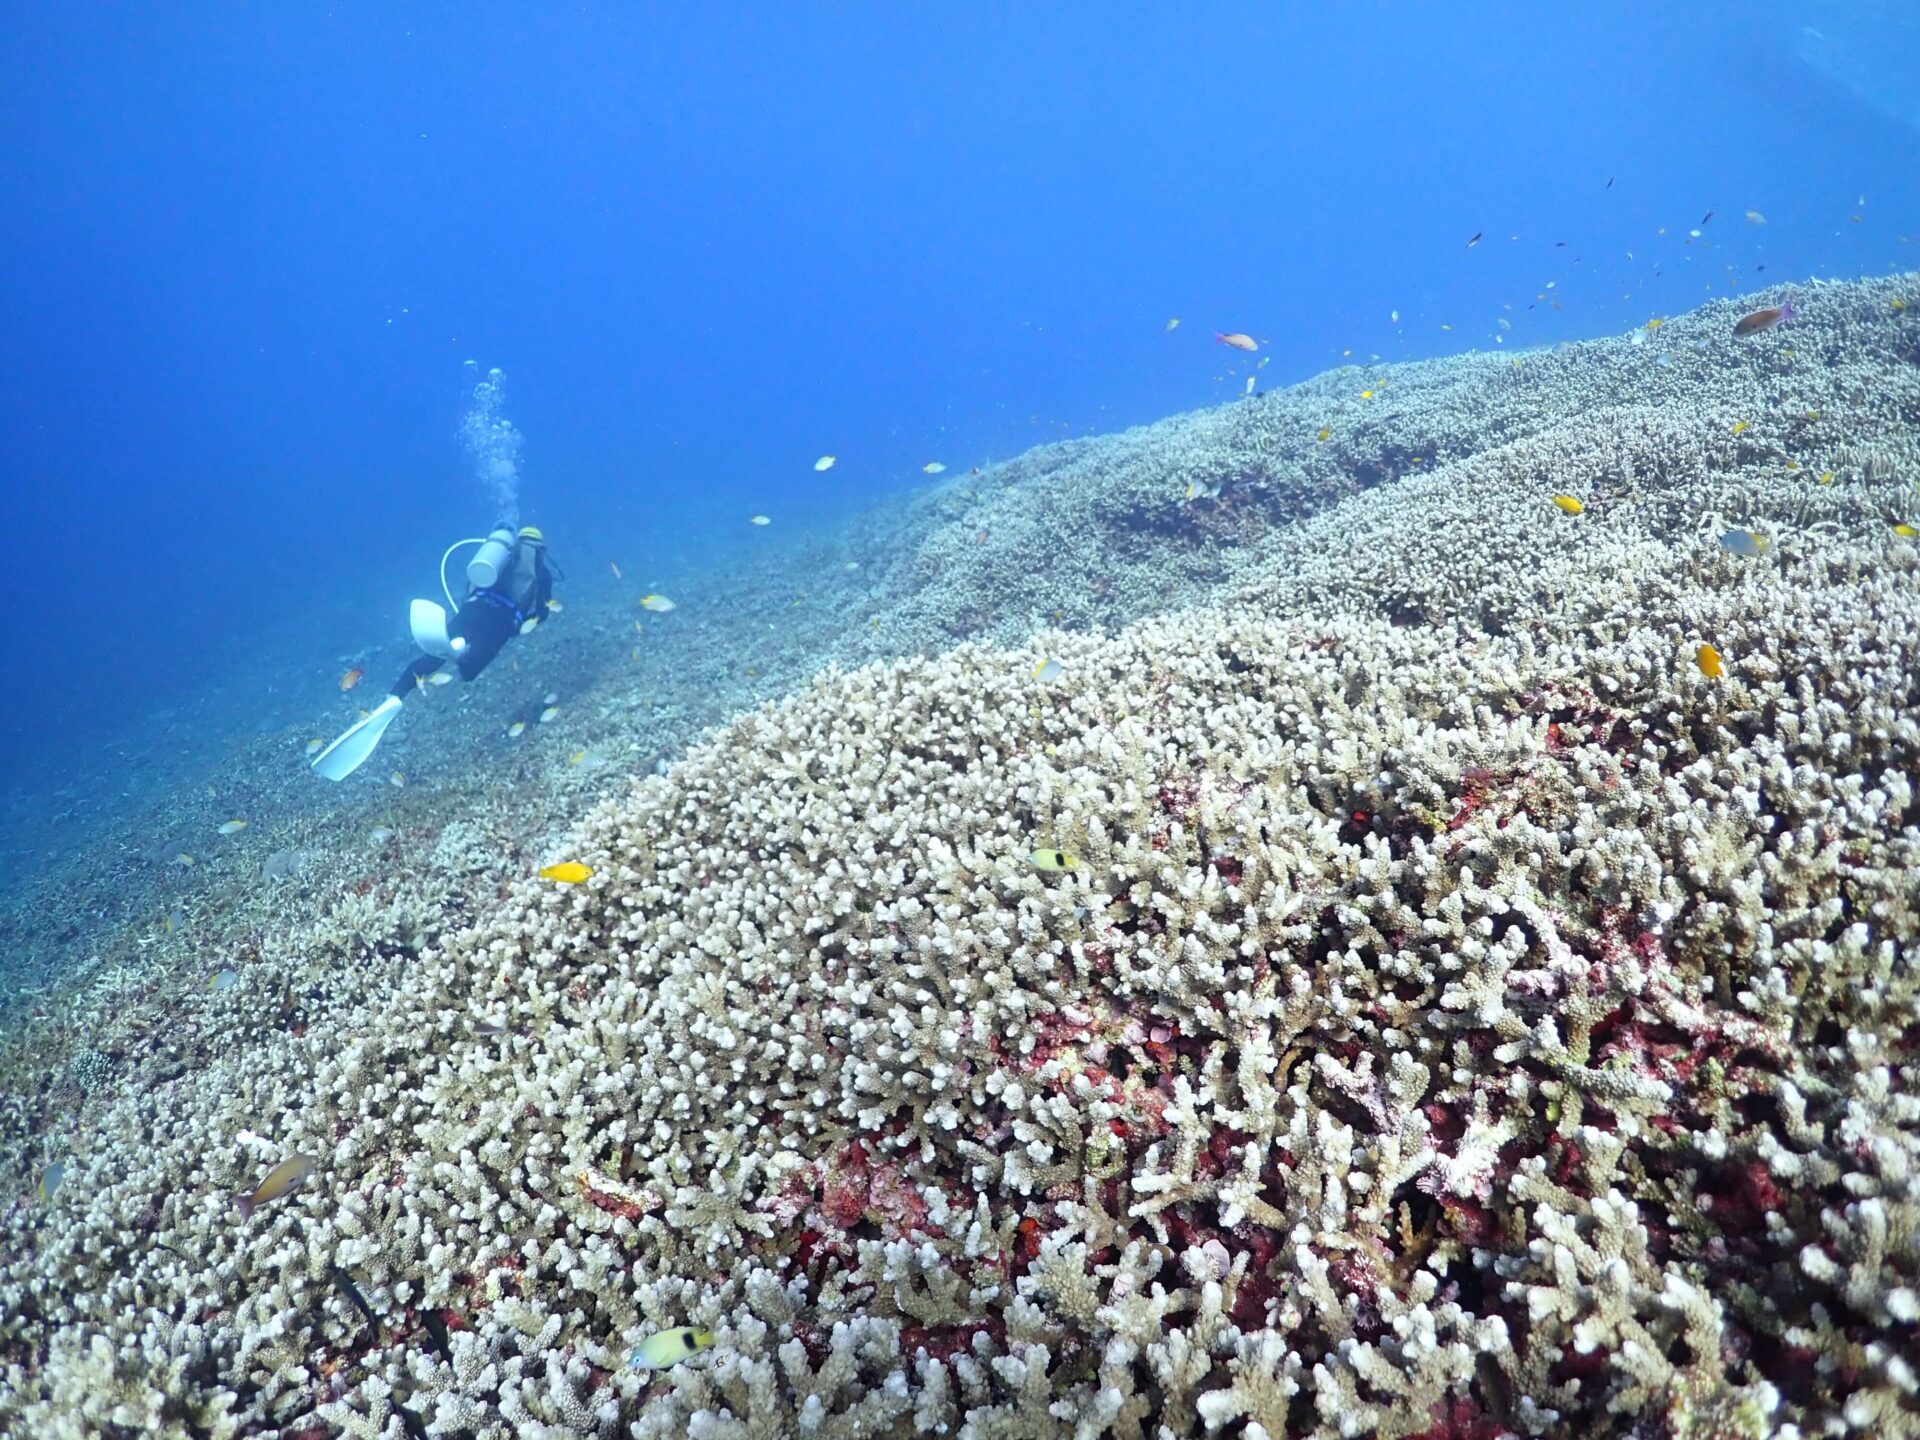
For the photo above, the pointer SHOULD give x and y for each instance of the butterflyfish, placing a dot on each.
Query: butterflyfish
(659, 604)
(518, 728)
(223, 980)
(549, 714)
(554, 605)
(398, 779)
(1763, 319)
(51, 1179)
(530, 624)
(1569, 504)
(316, 745)
(1049, 670)
(1053, 860)
(669, 1347)
(1237, 340)
(1708, 659)
(1743, 542)
(233, 827)
(440, 677)
(286, 1177)
(567, 872)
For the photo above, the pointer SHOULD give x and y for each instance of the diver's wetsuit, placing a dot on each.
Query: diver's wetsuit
(489, 618)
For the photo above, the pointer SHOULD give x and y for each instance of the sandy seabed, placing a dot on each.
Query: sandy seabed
(1459, 1014)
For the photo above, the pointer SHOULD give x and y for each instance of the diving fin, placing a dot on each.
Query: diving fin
(429, 625)
(350, 751)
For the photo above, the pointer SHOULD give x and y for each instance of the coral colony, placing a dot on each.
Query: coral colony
(1447, 1010)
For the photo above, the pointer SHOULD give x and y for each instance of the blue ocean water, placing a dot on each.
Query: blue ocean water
(254, 260)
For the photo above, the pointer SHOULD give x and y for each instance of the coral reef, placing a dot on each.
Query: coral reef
(1462, 1018)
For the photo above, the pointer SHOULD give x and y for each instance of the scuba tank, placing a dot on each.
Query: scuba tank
(491, 561)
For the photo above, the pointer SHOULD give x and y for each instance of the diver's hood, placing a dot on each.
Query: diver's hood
(429, 624)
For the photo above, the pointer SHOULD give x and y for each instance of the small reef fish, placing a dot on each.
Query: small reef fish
(1174, 323)
(517, 729)
(825, 462)
(1052, 860)
(1476, 238)
(1655, 323)
(552, 712)
(316, 745)
(233, 827)
(184, 859)
(380, 834)
(1905, 531)
(1250, 384)
(552, 697)
(555, 606)
(440, 677)
(934, 467)
(51, 1179)
(530, 624)
(1740, 427)
(285, 1178)
(352, 678)
(659, 604)
(1237, 340)
(669, 1347)
(1326, 432)
(1827, 477)
(576, 757)
(616, 570)
(398, 779)
(567, 872)
(758, 520)
(1049, 671)
(1764, 319)
(224, 980)
(1708, 659)
(1754, 217)
(352, 1292)
(1394, 316)
(1569, 504)
(1743, 542)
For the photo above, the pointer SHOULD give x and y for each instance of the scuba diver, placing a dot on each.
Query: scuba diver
(509, 584)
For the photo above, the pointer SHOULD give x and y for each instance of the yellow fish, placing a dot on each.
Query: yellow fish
(1708, 659)
(1656, 323)
(1740, 427)
(1826, 477)
(1366, 394)
(576, 757)
(1053, 860)
(1174, 323)
(516, 729)
(659, 604)
(567, 872)
(1325, 432)
(549, 714)
(233, 827)
(555, 606)
(283, 1179)
(669, 1347)
(1568, 504)
(1049, 670)
(1905, 531)
(1898, 305)
(530, 624)
(440, 677)
(316, 745)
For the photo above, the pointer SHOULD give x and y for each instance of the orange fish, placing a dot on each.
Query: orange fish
(352, 678)
(1764, 319)
(1238, 341)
